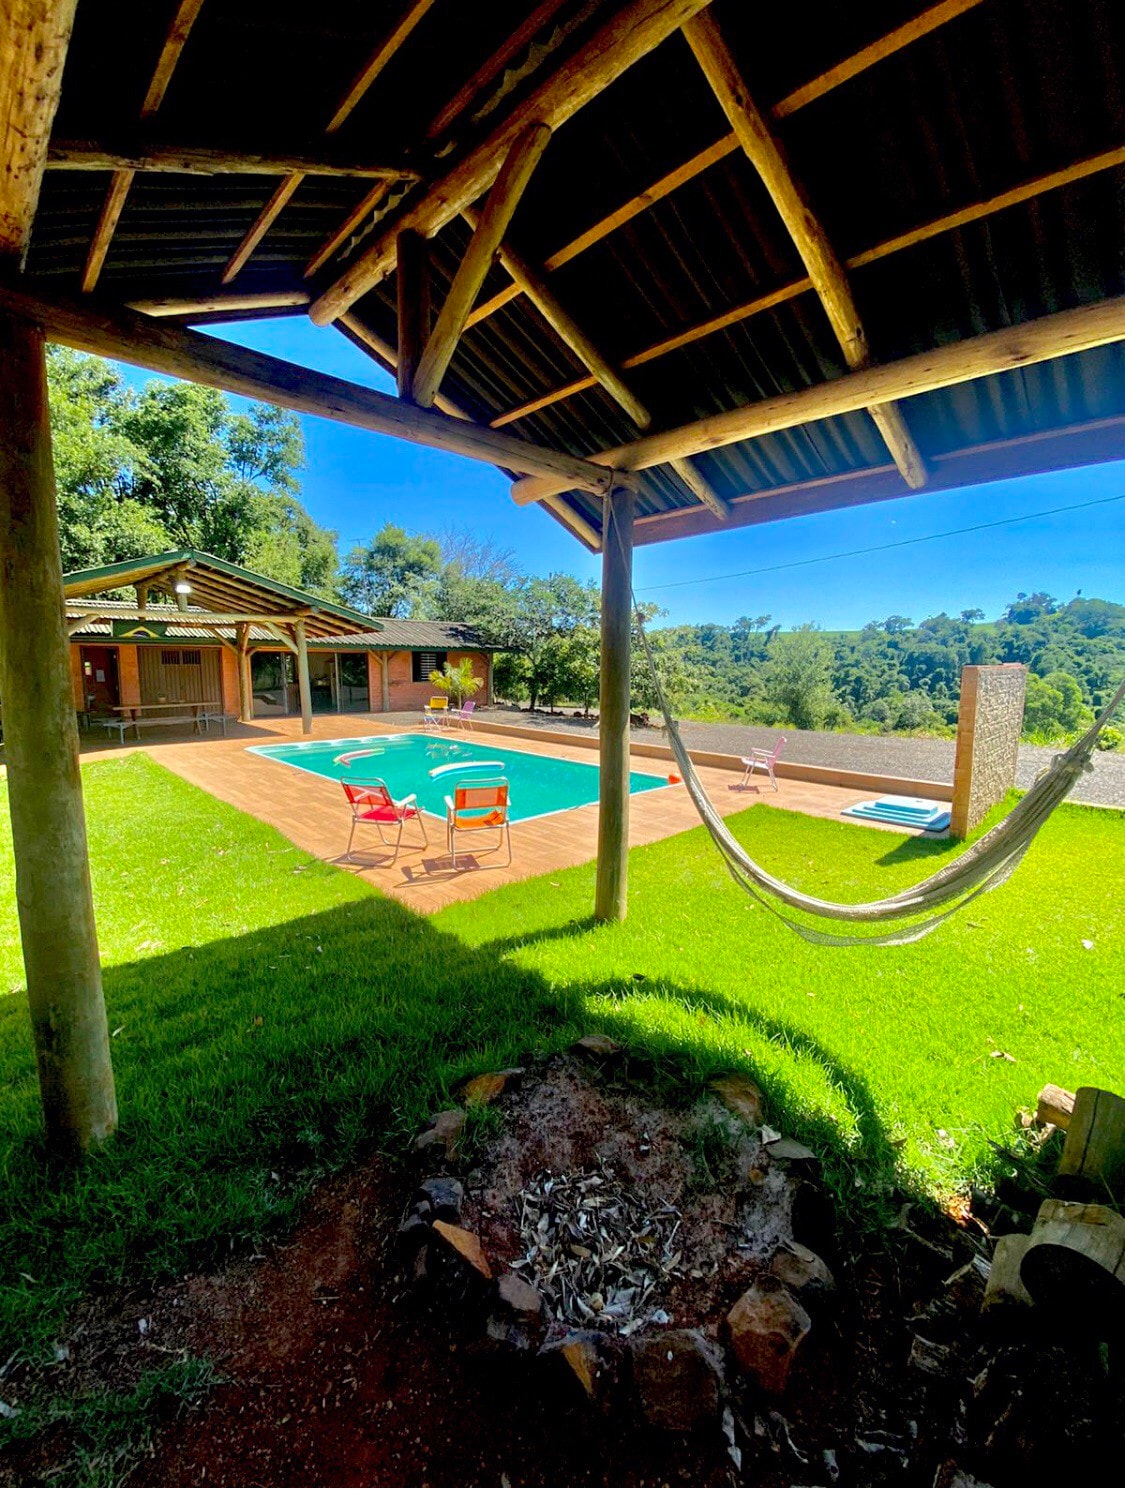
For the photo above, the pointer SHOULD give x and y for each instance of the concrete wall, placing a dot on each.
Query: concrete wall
(988, 739)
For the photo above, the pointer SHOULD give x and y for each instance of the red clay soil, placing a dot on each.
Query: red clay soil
(333, 1379)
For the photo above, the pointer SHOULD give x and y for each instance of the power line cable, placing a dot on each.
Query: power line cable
(918, 540)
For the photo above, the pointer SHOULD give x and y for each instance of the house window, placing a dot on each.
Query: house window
(426, 661)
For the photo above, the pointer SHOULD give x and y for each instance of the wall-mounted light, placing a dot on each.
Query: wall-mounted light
(183, 588)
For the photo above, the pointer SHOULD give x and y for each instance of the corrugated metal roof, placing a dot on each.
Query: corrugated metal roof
(1007, 92)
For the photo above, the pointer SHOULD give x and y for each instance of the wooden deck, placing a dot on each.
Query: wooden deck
(312, 813)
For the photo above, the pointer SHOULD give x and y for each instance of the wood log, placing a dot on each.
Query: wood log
(1005, 1292)
(304, 689)
(210, 161)
(612, 890)
(230, 303)
(186, 354)
(174, 42)
(1054, 1106)
(35, 35)
(53, 895)
(492, 224)
(1093, 1161)
(634, 31)
(1051, 337)
(830, 280)
(1074, 1264)
(366, 205)
(413, 295)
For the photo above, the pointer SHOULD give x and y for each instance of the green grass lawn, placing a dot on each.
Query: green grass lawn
(273, 1018)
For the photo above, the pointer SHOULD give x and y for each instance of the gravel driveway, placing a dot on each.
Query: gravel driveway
(910, 758)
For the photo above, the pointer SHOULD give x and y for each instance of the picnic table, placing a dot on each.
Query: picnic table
(199, 714)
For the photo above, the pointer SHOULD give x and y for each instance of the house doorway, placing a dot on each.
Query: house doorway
(101, 686)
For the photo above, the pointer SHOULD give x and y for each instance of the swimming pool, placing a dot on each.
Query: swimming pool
(541, 784)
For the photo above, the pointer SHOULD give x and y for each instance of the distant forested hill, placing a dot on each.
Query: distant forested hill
(898, 676)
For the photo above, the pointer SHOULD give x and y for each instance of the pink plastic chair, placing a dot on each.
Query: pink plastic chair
(372, 804)
(762, 759)
(463, 716)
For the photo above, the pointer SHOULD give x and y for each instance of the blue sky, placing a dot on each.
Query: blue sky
(355, 481)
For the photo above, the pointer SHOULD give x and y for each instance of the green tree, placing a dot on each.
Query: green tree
(394, 576)
(799, 676)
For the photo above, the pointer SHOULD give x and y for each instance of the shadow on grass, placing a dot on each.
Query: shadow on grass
(250, 1067)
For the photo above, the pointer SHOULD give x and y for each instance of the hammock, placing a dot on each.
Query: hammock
(985, 865)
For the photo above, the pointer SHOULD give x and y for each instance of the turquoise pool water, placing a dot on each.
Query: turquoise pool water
(540, 784)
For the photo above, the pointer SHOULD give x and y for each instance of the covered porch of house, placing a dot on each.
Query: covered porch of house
(800, 404)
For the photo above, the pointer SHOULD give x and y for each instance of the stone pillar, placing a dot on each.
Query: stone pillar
(53, 897)
(989, 721)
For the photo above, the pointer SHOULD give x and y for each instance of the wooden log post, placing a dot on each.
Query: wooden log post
(1074, 1264)
(245, 683)
(385, 663)
(413, 292)
(304, 690)
(56, 911)
(611, 899)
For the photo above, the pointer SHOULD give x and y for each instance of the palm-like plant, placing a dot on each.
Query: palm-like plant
(457, 680)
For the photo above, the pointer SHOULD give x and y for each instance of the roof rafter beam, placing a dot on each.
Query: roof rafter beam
(816, 88)
(830, 280)
(170, 53)
(636, 29)
(186, 354)
(36, 34)
(503, 199)
(359, 86)
(209, 161)
(973, 212)
(1034, 342)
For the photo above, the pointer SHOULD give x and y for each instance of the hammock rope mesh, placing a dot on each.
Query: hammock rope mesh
(984, 866)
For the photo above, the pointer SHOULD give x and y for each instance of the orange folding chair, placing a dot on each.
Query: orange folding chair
(479, 806)
(372, 804)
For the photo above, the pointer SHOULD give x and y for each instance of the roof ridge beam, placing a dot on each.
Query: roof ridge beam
(1051, 337)
(621, 41)
(209, 161)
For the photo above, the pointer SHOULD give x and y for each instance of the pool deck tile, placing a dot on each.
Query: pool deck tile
(311, 812)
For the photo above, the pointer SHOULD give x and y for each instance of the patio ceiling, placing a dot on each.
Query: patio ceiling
(732, 205)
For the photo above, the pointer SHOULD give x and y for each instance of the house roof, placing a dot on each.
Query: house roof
(215, 587)
(113, 620)
(965, 161)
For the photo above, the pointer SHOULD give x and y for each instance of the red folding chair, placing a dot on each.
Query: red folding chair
(372, 804)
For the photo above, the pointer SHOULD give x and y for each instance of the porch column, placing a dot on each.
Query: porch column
(304, 691)
(56, 912)
(245, 685)
(386, 663)
(611, 898)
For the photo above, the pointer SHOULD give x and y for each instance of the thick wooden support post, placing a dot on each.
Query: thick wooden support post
(611, 899)
(56, 911)
(413, 308)
(304, 691)
(245, 684)
(385, 662)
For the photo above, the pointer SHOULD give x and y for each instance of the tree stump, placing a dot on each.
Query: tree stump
(1093, 1161)
(1074, 1264)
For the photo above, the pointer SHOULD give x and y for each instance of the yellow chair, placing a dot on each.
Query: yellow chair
(433, 713)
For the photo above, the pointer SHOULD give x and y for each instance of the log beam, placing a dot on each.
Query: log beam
(210, 161)
(185, 354)
(612, 888)
(830, 280)
(1034, 342)
(35, 37)
(413, 292)
(514, 175)
(53, 893)
(245, 684)
(228, 304)
(355, 92)
(118, 192)
(636, 29)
